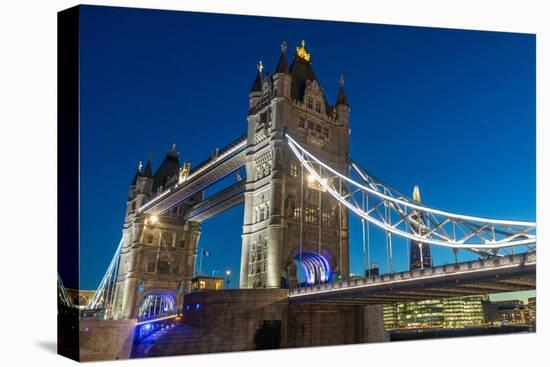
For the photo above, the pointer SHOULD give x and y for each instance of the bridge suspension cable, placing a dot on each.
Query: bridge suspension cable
(411, 219)
(104, 294)
(62, 295)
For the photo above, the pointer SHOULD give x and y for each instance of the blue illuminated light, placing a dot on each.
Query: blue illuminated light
(316, 267)
(197, 306)
(147, 326)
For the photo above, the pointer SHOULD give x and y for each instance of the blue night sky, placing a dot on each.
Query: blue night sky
(452, 111)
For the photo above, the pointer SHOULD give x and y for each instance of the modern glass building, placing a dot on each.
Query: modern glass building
(446, 313)
(421, 254)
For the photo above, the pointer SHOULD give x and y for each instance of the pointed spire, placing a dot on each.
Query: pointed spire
(138, 173)
(173, 152)
(416, 193)
(341, 99)
(148, 172)
(282, 67)
(257, 86)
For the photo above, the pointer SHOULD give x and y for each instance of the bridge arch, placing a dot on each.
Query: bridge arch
(309, 267)
(155, 303)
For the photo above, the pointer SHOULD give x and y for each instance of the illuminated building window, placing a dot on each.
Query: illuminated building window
(293, 170)
(326, 219)
(202, 284)
(297, 213)
(311, 216)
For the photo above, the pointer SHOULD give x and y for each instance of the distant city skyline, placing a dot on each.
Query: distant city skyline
(452, 111)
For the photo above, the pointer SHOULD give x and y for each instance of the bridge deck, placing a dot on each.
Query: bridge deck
(504, 274)
(228, 160)
(223, 200)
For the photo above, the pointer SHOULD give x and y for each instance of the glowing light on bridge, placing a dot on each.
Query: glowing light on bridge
(480, 235)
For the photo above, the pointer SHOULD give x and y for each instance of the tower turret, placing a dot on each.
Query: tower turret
(140, 188)
(256, 90)
(282, 80)
(342, 105)
(168, 171)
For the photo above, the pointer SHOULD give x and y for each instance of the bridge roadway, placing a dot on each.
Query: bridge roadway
(217, 203)
(478, 277)
(226, 161)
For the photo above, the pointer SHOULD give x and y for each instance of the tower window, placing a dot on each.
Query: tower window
(326, 219)
(311, 215)
(164, 267)
(293, 170)
(318, 107)
(166, 239)
(310, 103)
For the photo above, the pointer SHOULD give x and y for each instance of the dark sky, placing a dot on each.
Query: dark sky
(452, 111)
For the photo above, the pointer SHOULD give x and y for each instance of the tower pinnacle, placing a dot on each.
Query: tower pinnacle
(282, 67)
(257, 85)
(302, 52)
(341, 99)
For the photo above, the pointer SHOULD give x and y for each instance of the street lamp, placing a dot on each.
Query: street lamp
(228, 278)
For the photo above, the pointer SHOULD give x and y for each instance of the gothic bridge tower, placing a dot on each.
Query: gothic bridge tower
(158, 252)
(287, 229)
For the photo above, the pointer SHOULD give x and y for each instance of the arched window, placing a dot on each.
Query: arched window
(166, 239)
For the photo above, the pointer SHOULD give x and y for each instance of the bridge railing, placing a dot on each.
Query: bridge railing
(219, 153)
(441, 270)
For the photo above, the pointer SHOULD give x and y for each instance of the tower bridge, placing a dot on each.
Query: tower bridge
(299, 188)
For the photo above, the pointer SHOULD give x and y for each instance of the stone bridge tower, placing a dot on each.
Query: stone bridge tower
(285, 226)
(158, 252)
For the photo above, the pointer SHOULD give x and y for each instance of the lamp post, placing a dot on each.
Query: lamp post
(228, 278)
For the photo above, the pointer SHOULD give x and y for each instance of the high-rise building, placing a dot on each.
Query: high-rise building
(421, 254)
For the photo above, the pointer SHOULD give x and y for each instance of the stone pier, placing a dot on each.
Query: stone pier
(253, 319)
(106, 339)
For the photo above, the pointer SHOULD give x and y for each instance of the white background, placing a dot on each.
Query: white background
(28, 181)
